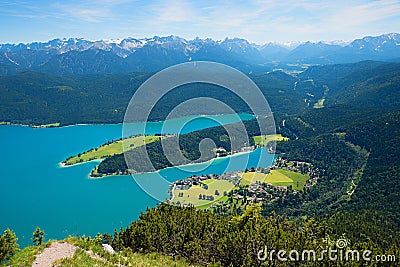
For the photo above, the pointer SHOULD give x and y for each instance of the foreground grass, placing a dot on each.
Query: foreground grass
(98, 257)
(26, 256)
(263, 140)
(82, 258)
(90, 253)
(110, 149)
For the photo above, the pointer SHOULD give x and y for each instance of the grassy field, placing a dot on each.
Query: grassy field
(299, 179)
(82, 258)
(26, 256)
(191, 196)
(263, 140)
(252, 177)
(320, 103)
(111, 149)
(280, 177)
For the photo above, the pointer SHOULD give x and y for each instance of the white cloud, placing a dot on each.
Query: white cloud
(172, 11)
(365, 13)
(257, 20)
(84, 12)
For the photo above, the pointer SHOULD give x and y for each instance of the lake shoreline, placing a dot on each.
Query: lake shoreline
(210, 161)
(47, 126)
(63, 165)
(80, 200)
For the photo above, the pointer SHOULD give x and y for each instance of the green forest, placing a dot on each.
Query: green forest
(352, 140)
(42, 98)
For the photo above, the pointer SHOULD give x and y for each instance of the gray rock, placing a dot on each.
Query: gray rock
(108, 248)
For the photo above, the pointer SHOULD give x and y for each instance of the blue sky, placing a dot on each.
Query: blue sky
(258, 21)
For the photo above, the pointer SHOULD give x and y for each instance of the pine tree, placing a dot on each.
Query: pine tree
(8, 245)
(38, 237)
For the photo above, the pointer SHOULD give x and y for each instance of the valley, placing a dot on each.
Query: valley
(325, 169)
(200, 133)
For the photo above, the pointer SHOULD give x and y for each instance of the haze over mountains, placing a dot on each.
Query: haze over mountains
(80, 56)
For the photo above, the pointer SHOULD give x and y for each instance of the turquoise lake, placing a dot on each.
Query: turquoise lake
(36, 191)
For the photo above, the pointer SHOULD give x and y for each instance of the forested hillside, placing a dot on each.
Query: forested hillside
(175, 236)
(202, 237)
(356, 151)
(38, 98)
(367, 84)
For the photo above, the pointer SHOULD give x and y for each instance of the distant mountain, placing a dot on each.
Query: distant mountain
(274, 52)
(242, 49)
(81, 56)
(385, 47)
(86, 62)
(317, 53)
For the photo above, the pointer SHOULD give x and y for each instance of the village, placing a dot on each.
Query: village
(254, 185)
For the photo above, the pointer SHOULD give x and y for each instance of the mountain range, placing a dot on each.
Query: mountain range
(81, 56)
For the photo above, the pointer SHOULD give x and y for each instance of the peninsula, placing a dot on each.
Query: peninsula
(111, 148)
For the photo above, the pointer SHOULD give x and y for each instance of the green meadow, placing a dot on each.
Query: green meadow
(263, 140)
(191, 196)
(280, 177)
(110, 149)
